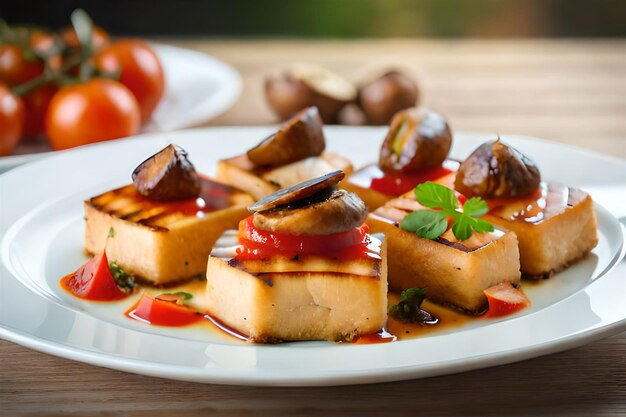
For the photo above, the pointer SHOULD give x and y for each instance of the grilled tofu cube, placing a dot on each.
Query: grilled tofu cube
(555, 227)
(261, 181)
(161, 242)
(287, 302)
(454, 273)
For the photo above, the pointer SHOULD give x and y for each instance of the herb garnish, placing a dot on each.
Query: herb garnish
(111, 232)
(124, 281)
(431, 224)
(409, 310)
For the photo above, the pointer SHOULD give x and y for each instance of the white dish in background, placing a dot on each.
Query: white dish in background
(198, 88)
(42, 230)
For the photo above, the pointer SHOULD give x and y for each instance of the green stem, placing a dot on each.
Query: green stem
(83, 26)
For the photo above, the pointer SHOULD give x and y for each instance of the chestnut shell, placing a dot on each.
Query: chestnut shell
(496, 169)
(418, 138)
(167, 175)
(387, 95)
(301, 85)
(299, 138)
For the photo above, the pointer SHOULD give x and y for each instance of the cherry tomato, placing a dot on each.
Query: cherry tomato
(95, 111)
(14, 68)
(139, 69)
(11, 120)
(94, 281)
(99, 38)
(36, 105)
(505, 299)
(259, 243)
(162, 313)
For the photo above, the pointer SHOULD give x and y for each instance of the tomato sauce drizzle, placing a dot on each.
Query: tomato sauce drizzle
(395, 184)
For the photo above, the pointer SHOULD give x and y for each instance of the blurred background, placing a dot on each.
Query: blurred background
(337, 18)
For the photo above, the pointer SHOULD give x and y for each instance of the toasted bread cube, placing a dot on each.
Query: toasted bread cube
(554, 230)
(161, 242)
(370, 181)
(453, 273)
(259, 182)
(297, 305)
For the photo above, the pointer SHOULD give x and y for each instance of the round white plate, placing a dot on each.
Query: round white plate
(198, 88)
(41, 228)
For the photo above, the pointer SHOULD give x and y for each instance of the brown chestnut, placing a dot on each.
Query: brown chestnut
(495, 169)
(302, 85)
(387, 95)
(299, 138)
(167, 175)
(418, 138)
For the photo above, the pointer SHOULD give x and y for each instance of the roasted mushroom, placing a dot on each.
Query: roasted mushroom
(495, 169)
(313, 207)
(418, 138)
(167, 175)
(301, 137)
(305, 191)
(386, 95)
(338, 212)
(302, 85)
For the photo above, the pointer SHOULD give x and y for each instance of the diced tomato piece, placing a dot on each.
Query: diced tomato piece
(259, 243)
(162, 313)
(505, 299)
(94, 281)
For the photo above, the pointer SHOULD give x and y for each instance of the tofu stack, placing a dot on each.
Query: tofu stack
(273, 282)
(454, 273)
(294, 154)
(555, 224)
(161, 229)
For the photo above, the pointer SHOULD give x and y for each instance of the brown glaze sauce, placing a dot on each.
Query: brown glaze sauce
(549, 200)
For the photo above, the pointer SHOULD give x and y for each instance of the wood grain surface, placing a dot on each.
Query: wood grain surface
(573, 92)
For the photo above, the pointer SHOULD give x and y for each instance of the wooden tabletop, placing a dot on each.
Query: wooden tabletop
(568, 91)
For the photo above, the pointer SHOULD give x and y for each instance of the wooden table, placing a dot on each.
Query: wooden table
(568, 91)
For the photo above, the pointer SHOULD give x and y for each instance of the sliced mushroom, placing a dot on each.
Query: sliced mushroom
(339, 212)
(305, 191)
(495, 169)
(418, 138)
(167, 175)
(301, 137)
(301, 85)
(386, 95)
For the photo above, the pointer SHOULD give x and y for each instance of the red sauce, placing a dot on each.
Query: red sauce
(548, 200)
(261, 244)
(93, 281)
(162, 313)
(395, 184)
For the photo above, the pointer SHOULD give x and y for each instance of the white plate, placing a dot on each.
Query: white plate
(198, 88)
(41, 229)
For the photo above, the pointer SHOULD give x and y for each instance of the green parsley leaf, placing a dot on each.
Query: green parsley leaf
(429, 224)
(124, 281)
(409, 310)
(432, 195)
(475, 207)
(481, 225)
(462, 227)
(111, 232)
